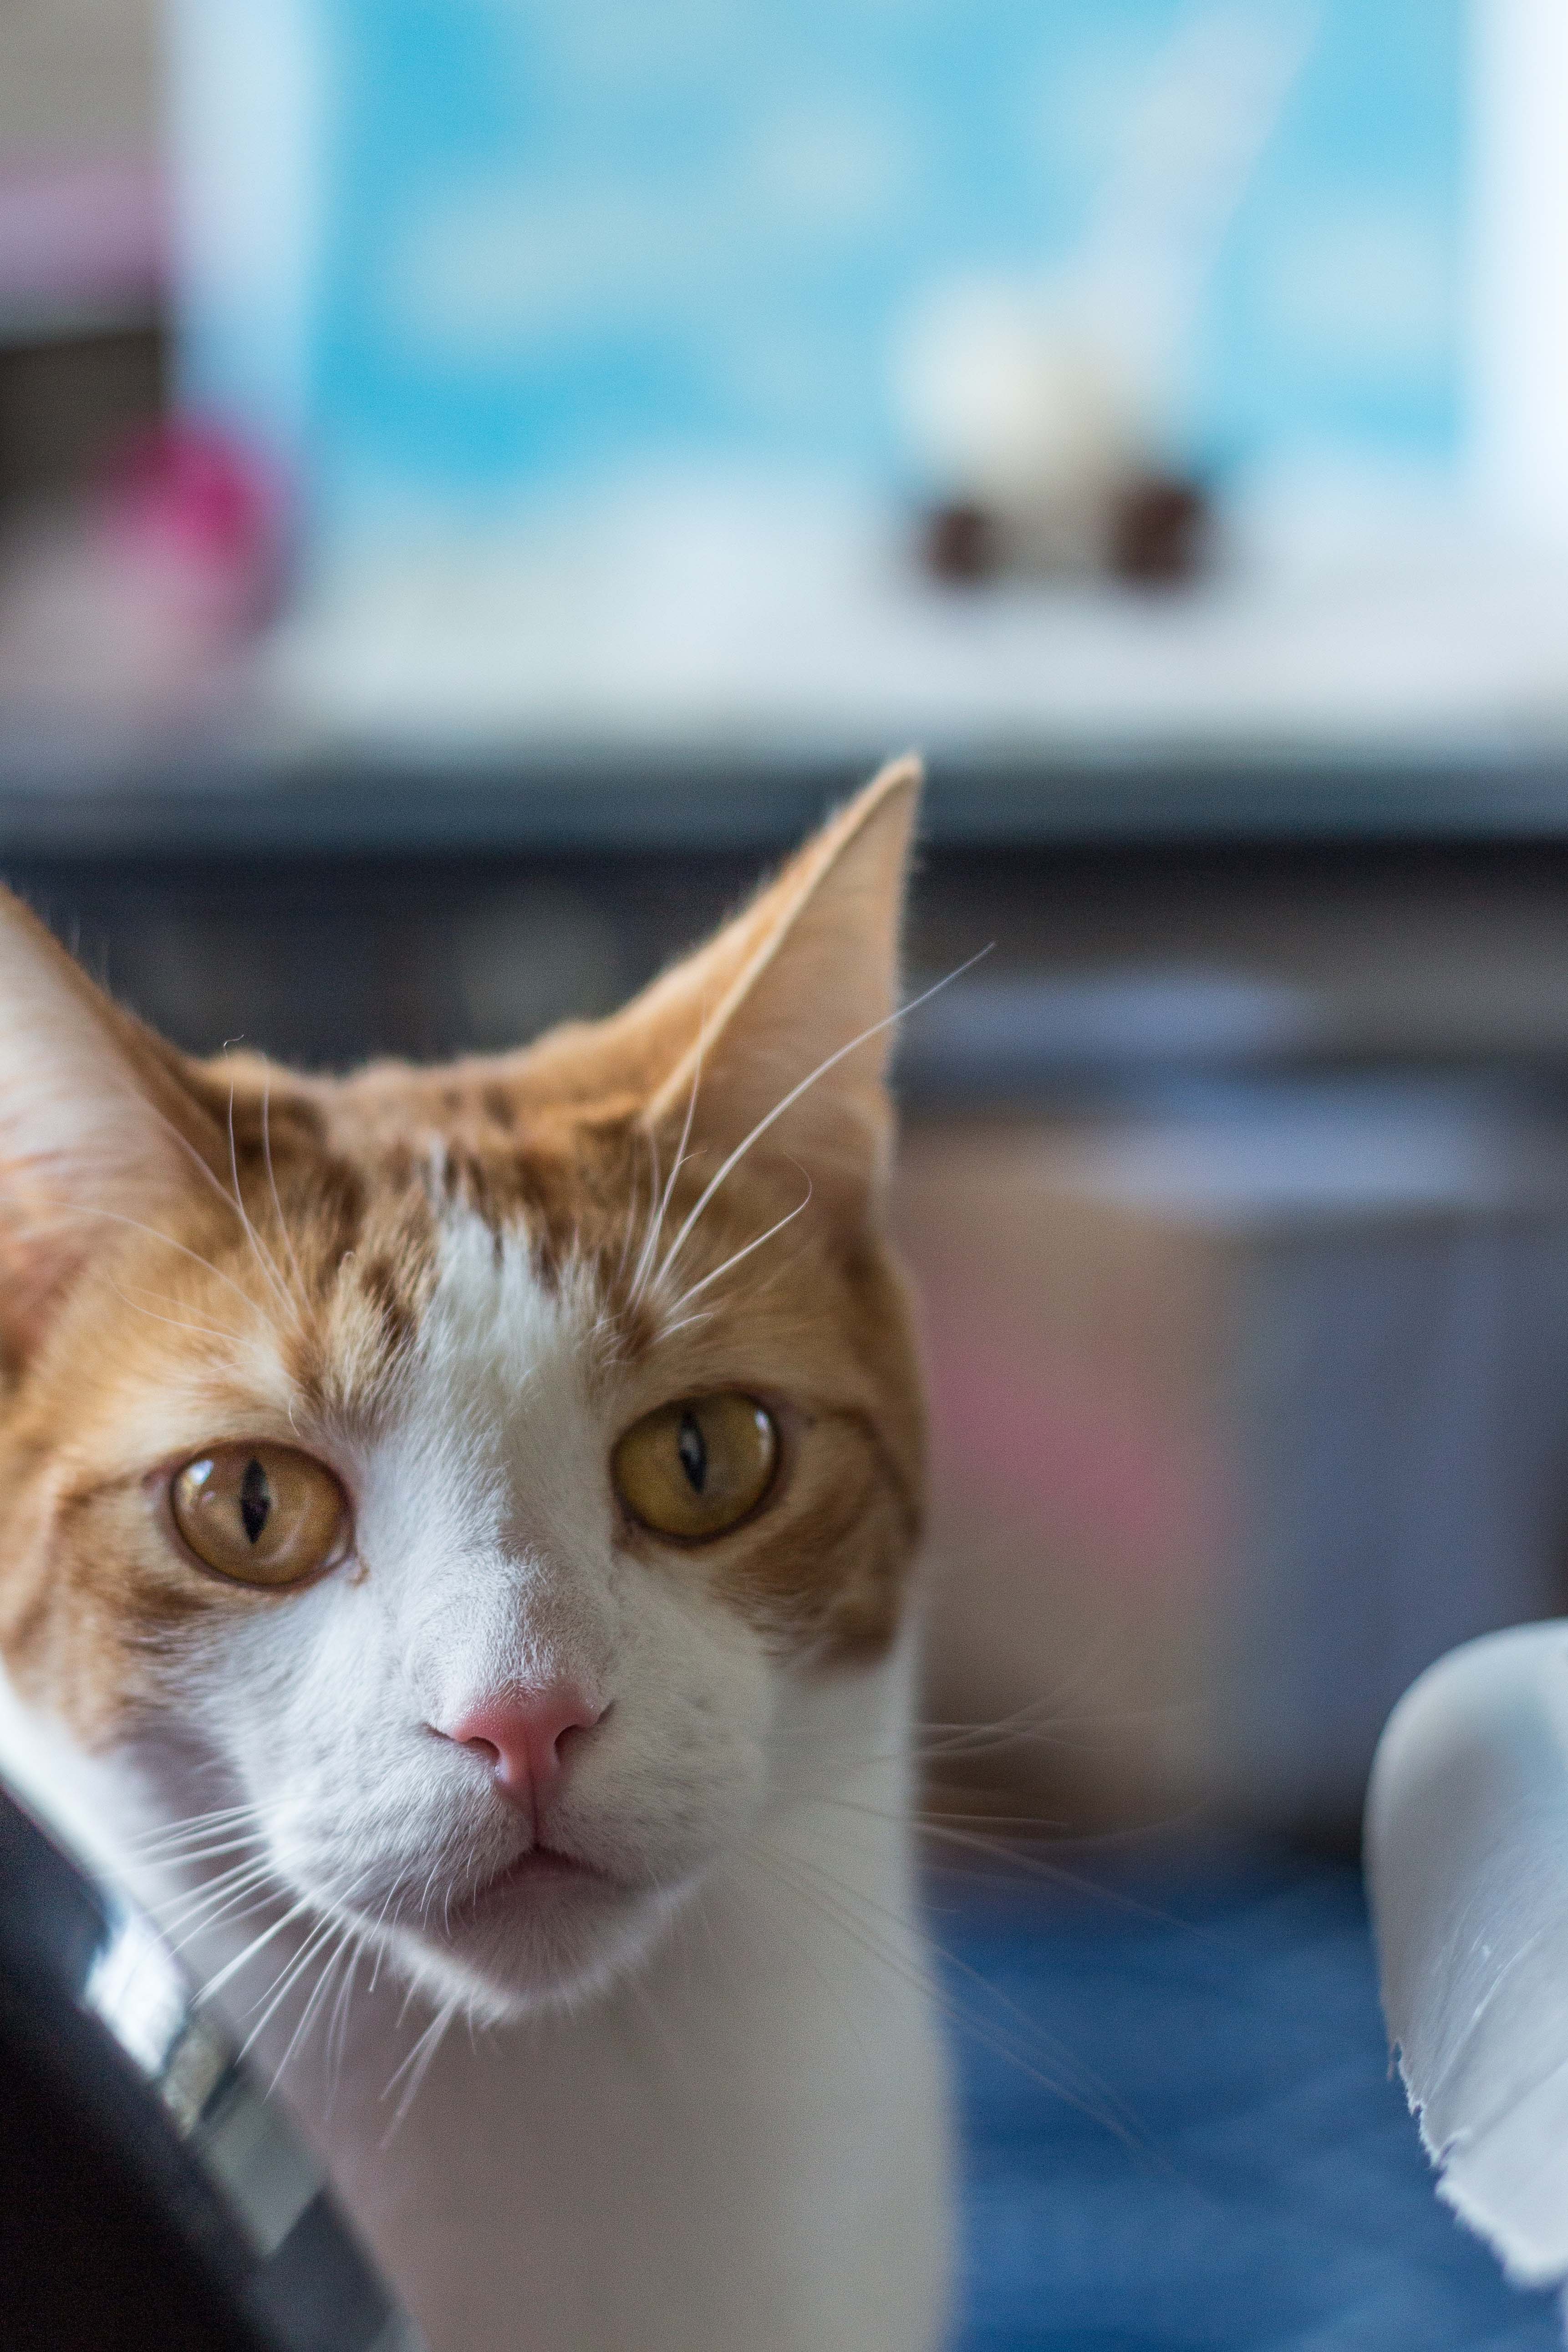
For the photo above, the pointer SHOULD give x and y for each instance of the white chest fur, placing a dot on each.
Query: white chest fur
(743, 2145)
(741, 2148)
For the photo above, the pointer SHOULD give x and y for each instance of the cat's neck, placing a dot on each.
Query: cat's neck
(742, 2143)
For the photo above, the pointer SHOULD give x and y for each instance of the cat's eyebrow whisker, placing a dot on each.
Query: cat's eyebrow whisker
(644, 1274)
(687, 1323)
(655, 1194)
(629, 1224)
(299, 1283)
(736, 1257)
(831, 1062)
(117, 1217)
(209, 1176)
(183, 1141)
(263, 1257)
(174, 1322)
(706, 1314)
(656, 1229)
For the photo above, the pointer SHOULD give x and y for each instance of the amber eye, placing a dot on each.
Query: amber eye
(692, 1469)
(260, 1514)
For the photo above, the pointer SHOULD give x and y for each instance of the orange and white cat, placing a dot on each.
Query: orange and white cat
(456, 1539)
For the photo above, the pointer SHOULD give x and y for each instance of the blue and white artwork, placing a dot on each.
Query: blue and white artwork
(496, 251)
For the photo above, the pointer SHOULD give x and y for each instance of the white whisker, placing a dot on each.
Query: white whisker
(262, 1255)
(242, 1898)
(174, 1322)
(794, 1095)
(656, 1228)
(417, 2064)
(736, 1257)
(241, 1959)
(204, 1848)
(338, 2021)
(345, 1938)
(840, 1903)
(116, 1217)
(190, 1825)
(299, 1283)
(287, 1978)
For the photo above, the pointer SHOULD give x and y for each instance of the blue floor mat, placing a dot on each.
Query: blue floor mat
(1216, 2158)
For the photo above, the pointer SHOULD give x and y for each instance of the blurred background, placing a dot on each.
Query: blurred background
(476, 481)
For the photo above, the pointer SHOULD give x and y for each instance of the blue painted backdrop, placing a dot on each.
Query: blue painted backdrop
(560, 235)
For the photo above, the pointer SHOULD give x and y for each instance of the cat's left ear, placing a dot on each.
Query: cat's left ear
(778, 1030)
(97, 1129)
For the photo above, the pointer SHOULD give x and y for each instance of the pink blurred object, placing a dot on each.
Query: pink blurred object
(193, 512)
(142, 603)
(137, 598)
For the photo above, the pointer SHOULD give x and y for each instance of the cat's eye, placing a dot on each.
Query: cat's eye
(260, 1514)
(694, 1468)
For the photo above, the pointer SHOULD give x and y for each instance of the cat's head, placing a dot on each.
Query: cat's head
(457, 1465)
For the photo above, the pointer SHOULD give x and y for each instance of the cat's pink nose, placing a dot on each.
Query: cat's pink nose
(521, 1735)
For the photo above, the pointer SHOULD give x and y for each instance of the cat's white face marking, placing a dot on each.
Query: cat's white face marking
(488, 1562)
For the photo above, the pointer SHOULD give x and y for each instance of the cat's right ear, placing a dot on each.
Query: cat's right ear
(96, 1127)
